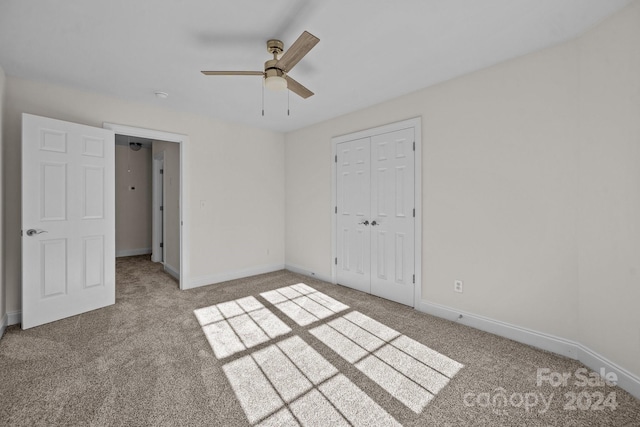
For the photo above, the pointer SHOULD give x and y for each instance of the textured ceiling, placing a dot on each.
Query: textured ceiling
(369, 50)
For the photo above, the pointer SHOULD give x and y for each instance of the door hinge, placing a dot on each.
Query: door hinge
(161, 208)
(414, 212)
(336, 210)
(162, 245)
(414, 278)
(336, 158)
(336, 261)
(414, 146)
(161, 170)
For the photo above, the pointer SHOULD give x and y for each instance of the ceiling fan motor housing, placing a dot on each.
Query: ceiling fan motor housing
(275, 47)
(270, 69)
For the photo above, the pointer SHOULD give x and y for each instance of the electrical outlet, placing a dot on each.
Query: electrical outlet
(457, 286)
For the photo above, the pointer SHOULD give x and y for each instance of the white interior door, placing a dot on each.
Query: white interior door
(375, 215)
(354, 208)
(68, 219)
(392, 221)
(158, 208)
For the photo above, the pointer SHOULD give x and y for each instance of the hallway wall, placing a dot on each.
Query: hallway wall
(133, 201)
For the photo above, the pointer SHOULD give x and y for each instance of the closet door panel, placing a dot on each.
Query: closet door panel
(353, 217)
(392, 222)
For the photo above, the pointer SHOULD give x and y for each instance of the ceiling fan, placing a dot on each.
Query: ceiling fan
(276, 70)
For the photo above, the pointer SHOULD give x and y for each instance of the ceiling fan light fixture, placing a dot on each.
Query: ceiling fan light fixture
(276, 70)
(275, 83)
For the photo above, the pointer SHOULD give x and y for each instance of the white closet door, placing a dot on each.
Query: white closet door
(375, 215)
(392, 221)
(353, 217)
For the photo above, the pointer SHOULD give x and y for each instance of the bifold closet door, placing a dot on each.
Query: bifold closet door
(375, 208)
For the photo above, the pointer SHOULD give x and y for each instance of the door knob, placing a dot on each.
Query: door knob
(34, 231)
(365, 222)
(374, 223)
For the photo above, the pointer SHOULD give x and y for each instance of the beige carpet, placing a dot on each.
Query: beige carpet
(284, 349)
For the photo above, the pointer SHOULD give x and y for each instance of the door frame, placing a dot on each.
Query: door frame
(416, 124)
(183, 141)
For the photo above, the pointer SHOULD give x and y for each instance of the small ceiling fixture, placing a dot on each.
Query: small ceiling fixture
(162, 95)
(135, 146)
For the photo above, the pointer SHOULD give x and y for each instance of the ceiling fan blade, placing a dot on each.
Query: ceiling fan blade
(297, 88)
(233, 73)
(297, 51)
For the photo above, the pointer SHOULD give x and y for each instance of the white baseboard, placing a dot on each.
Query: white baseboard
(300, 270)
(574, 350)
(133, 252)
(232, 275)
(172, 271)
(517, 333)
(626, 380)
(14, 317)
(4, 322)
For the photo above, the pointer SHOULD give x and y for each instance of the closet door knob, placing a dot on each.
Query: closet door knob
(365, 222)
(374, 223)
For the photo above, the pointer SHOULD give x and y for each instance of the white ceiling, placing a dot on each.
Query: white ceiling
(369, 50)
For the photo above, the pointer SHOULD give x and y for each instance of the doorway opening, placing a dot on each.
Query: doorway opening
(149, 195)
(148, 200)
(133, 196)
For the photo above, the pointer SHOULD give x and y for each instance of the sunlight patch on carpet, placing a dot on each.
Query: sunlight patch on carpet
(290, 383)
(303, 304)
(286, 382)
(354, 404)
(411, 372)
(234, 326)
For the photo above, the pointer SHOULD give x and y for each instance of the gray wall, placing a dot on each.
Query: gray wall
(133, 207)
(530, 191)
(235, 170)
(3, 309)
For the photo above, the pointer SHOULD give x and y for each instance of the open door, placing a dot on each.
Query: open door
(157, 237)
(68, 219)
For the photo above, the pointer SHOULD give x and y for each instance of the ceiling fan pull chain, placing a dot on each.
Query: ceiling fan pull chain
(288, 93)
(262, 99)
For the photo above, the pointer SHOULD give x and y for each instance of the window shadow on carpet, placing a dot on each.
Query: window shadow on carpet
(289, 383)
